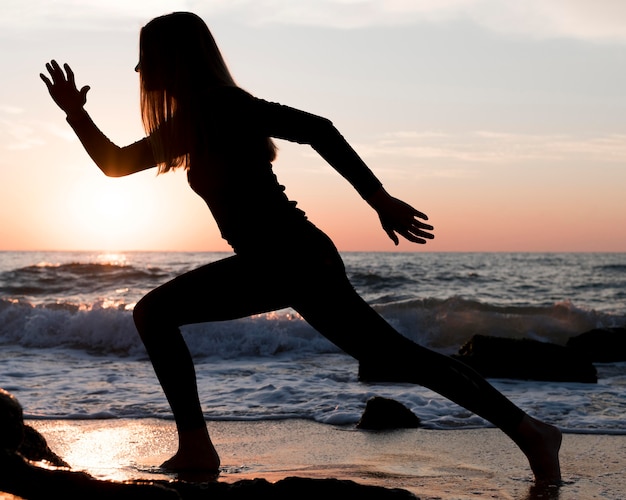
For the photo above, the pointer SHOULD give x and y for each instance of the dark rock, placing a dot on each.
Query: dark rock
(11, 422)
(19, 476)
(382, 413)
(15, 436)
(22, 478)
(601, 345)
(34, 447)
(288, 489)
(25, 479)
(298, 487)
(526, 359)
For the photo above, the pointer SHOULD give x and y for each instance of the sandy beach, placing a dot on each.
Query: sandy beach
(445, 465)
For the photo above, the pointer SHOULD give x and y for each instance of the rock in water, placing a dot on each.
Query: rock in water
(525, 359)
(601, 345)
(383, 413)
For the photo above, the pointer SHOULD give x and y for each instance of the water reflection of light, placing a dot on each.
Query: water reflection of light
(112, 259)
(102, 451)
(109, 451)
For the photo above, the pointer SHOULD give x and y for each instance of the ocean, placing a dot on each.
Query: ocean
(69, 350)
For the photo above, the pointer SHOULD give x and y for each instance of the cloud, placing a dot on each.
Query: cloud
(18, 136)
(10, 110)
(58, 130)
(599, 20)
(590, 20)
(19, 15)
(488, 148)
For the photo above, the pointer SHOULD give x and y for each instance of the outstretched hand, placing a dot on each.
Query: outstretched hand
(63, 89)
(400, 218)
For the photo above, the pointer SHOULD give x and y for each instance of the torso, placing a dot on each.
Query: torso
(234, 177)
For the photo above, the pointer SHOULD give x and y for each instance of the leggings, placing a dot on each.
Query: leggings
(313, 282)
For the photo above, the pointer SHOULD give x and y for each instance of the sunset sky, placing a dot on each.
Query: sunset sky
(504, 121)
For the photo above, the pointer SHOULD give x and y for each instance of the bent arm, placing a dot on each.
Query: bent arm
(396, 216)
(113, 160)
(294, 125)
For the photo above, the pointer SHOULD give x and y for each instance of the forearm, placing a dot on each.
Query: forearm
(332, 146)
(114, 161)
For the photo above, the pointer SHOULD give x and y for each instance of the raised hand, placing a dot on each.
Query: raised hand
(62, 88)
(399, 217)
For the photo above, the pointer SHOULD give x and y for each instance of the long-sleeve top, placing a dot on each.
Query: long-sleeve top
(231, 170)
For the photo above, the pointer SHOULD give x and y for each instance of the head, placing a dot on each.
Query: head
(178, 60)
(177, 53)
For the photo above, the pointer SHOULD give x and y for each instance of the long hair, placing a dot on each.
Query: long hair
(179, 62)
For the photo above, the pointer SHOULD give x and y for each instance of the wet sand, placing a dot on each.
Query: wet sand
(444, 465)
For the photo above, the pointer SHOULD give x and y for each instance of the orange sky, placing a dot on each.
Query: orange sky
(511, 137)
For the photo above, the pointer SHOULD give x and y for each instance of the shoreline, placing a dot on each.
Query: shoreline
(432, 464)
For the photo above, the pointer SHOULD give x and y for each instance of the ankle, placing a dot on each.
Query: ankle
(195, 439)
(540, 442)
(195, 452)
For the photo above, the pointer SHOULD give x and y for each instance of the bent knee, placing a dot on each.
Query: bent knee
(149, 313)
(140, 314)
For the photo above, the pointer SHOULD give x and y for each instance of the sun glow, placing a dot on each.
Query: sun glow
(109, 213)
(108, 204)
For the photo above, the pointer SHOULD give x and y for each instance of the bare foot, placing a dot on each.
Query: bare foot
(541, 443)
(195, 453)
(192, 462)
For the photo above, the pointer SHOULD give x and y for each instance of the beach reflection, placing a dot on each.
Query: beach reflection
(102, 452)
(107, 451)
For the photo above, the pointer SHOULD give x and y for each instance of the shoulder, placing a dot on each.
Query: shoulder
(228, 101)
(231, 95)
(235, 103)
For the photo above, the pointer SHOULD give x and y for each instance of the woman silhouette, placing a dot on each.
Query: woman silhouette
(197, 118)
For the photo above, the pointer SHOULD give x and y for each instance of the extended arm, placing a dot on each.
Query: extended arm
(113, 160)
(396, 216)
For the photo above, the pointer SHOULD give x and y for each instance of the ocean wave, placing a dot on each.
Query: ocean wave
(441, 324)
(612, 268)
(93, 329)
(446, 324)
(75, 278)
